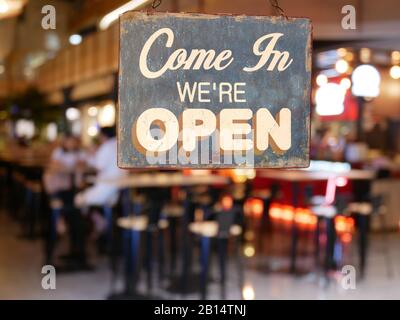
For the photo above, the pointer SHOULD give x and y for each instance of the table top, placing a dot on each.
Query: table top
(138, 223)
(210, 229)
(144, 180)
(295, 175)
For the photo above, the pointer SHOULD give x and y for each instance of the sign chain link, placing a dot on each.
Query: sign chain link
(278, 9)
(274, 4)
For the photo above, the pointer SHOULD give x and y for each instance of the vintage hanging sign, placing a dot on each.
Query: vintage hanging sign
(212, 91)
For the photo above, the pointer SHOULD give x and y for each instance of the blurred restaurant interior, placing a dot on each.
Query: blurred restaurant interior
(195, 234)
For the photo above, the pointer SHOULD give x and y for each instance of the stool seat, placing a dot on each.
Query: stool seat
(262, 194)
(173, 210)
(138, 223)
(210, 229)
(34, 186)
(56, 204)
(317, 200)
(364, 208)
(203, 199)
(324, 211)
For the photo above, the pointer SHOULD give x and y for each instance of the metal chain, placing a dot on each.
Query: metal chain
(156, 3)
(278, 9)
(274, 4)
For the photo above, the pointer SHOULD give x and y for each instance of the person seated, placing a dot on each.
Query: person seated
(61, 175)
(104, 161)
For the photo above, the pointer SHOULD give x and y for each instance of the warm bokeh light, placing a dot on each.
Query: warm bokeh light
(93, 111)
(249, 235)
(395, 72)
(249, 251)
(226, 203)
(330, 99)
(321, 79)
(365, 55)
(25, 128)
(3, 6)
(341, 181)
(240, 175)
(254, 207)
(395, 57)
(92, 131)
(248, 292)
(341, 52)
(107, 115)
(345, 83)
(366, 81)
(341, 66)
(75, 39)
(72, 114)
(51, 131)
(344, 224)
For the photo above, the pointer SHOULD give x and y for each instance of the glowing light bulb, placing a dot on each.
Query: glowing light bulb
(345, 83)
(329, 99)
(75, 39)
(93, 111)
(72, 114)
(321, 79)
(366, 81)
(3, 6)
(248, 292)
(395, 72)
(341, 66)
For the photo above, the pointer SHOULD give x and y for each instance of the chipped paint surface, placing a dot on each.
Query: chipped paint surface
(272, 90)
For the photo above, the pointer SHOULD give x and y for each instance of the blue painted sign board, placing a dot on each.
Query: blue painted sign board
(213, 91)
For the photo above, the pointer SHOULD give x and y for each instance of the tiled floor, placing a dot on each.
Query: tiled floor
(21, 262)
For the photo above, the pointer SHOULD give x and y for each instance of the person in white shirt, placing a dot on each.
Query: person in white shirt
(105, 162)
(61, 175)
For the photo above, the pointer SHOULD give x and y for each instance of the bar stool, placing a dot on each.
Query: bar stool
(173, 212)
(327, 213)
(221, 230)
(363, 212)
(136, 226)
(56, 206)
(33, 206)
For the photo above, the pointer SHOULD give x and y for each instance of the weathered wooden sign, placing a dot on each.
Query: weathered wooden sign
(211, 91)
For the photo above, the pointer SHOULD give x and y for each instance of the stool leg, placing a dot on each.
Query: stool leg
(28, 213)
(52, 238)
(149, 260)
(330, 244)
(108, 214)
(363, 241)
(222, 255)
(239, 263)
(205, 255)
(131, 255)
(316, 242)
(161, 250)
(173, 247)
(186, 245)
(295, 232)
(36, 212)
